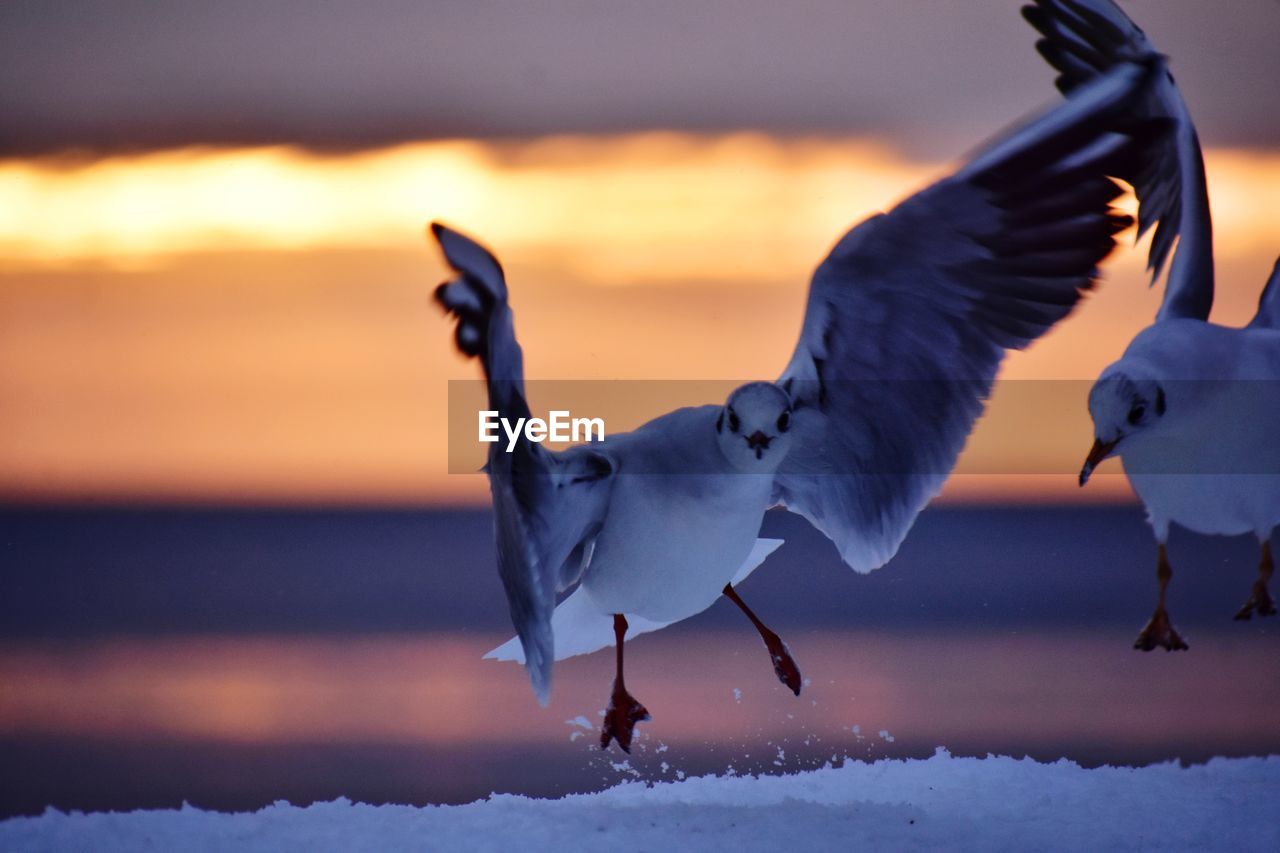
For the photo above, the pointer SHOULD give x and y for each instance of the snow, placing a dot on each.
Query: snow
(995, 803)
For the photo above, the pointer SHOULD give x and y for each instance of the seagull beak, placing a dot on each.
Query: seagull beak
(759, 442)
(1100, 450)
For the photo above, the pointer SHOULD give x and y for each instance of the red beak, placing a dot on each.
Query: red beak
(758, 441)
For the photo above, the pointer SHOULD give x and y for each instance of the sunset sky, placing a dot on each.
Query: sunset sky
(240, 565)
(214, 280)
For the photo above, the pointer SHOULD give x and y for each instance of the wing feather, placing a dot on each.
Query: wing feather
(912, 311)
(547, 506)
(1083, 39)
(1268, 315)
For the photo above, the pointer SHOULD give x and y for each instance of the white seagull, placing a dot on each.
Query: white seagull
(1191, 408)
(907, 321)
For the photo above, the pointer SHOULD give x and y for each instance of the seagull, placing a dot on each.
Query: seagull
(1191, 406)
(907, 321)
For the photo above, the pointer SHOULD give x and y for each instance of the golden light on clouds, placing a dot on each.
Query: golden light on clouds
(615, 210)
(255, 324)
(132, 209)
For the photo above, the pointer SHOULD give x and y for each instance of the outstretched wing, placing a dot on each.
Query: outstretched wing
(909, 316)
(547, 506)
(1268, 316)
(1083, 39)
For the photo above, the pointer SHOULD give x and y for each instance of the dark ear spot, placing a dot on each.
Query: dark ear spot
(1160, 406)
(720, 422)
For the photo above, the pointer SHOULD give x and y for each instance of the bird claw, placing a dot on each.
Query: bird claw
(1159, 632)
(1260, 602)
(620, 718)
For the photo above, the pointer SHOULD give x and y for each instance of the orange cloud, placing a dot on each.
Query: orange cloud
(254, 324)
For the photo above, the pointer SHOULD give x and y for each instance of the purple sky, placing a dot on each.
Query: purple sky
(936, 76)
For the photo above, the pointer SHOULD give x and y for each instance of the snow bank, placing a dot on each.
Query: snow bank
(941, 802)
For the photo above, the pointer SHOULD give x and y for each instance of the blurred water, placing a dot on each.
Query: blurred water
(233, 658)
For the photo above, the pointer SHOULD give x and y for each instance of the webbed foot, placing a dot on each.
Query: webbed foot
(1159, 632)
(784, 665)
(620, 718)
(1259, 602)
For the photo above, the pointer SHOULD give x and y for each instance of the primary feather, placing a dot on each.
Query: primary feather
(910, 315)
(1084, 39)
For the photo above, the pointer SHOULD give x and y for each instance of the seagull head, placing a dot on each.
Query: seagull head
(754, 427)
(1123, 404)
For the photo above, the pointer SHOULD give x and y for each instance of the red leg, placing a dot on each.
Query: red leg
(784, 666)
(1260, 600)
(1159, 630)
(624, 711)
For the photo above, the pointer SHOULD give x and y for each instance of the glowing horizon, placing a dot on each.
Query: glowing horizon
(435, 689)
(253, 324)
(133, 210)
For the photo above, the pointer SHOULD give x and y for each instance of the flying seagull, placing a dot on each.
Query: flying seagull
(907, 321)
(1191, 408)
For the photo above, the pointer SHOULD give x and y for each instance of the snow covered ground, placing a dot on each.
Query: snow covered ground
(995, 803)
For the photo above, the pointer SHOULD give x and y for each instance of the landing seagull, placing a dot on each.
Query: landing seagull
(1191, 407)
(907, 321)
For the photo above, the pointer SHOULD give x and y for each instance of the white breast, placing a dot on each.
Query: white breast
(671, 542)
(1216, 504)
(1217, 469)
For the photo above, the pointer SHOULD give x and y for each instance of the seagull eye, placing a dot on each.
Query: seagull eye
(1136, 413)
(734, 423)
(784, 422)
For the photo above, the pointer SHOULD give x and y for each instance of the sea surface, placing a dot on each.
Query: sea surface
(230, 658)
